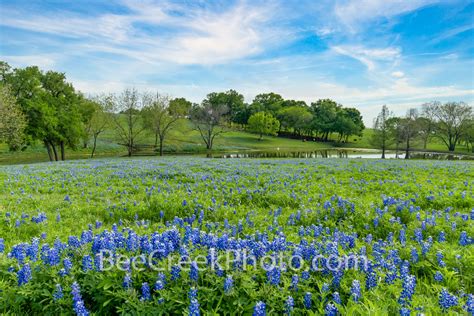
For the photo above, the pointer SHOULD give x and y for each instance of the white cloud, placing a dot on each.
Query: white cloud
(369, 56)
(354, 13)
(42, 61)
(398, 74)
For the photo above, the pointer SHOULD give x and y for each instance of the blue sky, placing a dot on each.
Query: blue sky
(361, 53)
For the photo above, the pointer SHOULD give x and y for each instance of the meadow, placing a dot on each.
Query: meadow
(64, 223)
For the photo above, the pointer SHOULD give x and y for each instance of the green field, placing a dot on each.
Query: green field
(410, 221)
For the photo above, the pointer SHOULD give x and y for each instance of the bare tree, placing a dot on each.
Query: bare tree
(208, 118)
(381, 134)
(453, 120)
(426, 122)
(161, 116)
(409, 129)
(127, 118)
(100, 119)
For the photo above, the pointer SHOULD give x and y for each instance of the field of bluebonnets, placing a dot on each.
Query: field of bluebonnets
(284, 228)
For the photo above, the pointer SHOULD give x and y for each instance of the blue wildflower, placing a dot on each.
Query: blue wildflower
(127, 281)
(447, 300)
(78, 303)
(330, 310)
(289, 304)
(355, 290)
(307, 300)
(194, 272)
(259, 309)
(146, 294)
(58, 293)
(438, 276)
(86, 263)
(228, 284)
(405, 311)
(24, 274)
(463, 239)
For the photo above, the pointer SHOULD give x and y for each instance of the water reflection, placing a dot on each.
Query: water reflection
(340, 153)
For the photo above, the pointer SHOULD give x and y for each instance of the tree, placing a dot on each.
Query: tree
(452, 122)
(161, 117)
(468, 137)
(380, 137)
(395, 132)
(12, 120)
(324, 117)
(263, 124)
(267, 102)
(426, 122)
(295, 117)
(127, 120)
(50, 105)
(348, 122)
(209, 118)
(409, 129)
(99, 120)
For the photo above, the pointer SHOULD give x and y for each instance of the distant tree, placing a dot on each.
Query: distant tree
(295, 117)
(234, 101)
(427, 122)
(50, 105)
(380, 136)
(263, 124)
(468, 136)
(127, 120)
(209, 119)
(161, 117)
(12, 120)
(409, 129)
(325, 117)
(100, 118)
(267, 102)
(348, 122)
(182, 104)
(453, 120)
(395, 132)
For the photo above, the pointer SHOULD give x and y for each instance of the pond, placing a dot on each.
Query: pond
(340, 153)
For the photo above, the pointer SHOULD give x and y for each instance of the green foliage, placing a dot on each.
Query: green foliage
(12, 120)
(263, 124)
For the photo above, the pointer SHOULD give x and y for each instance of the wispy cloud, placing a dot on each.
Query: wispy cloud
(369, 56)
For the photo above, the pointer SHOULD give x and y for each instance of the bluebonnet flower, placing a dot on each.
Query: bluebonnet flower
(402, 237)
(442, 236)
(469, 307)
(371, 280)
(259, 309)
(58, 293)
(307, 300)
(192, 294)
(325, 288)
(273, 276)
(2, 245)
(408, 289)
(127, 281)
(159, 285)
(67, 198)
(418, 235)
(289, 304)
(146, 295)
(228, 284)
(405, 311)
(193, 272)
(194, 308)
(447, 300)
(414, 255)
(439, 257)
(331, 310)
(24, 274)
(355, 290)
(438, 276)
(78, 303)
(305, 275)
(336, 297)
(463, 239)
(67, 265)
(175, 272)
(86, 263)
(294, 282)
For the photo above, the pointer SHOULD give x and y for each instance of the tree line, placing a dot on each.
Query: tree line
(452, 123)
(41, 106)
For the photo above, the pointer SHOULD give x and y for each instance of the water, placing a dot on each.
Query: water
(338, 153)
